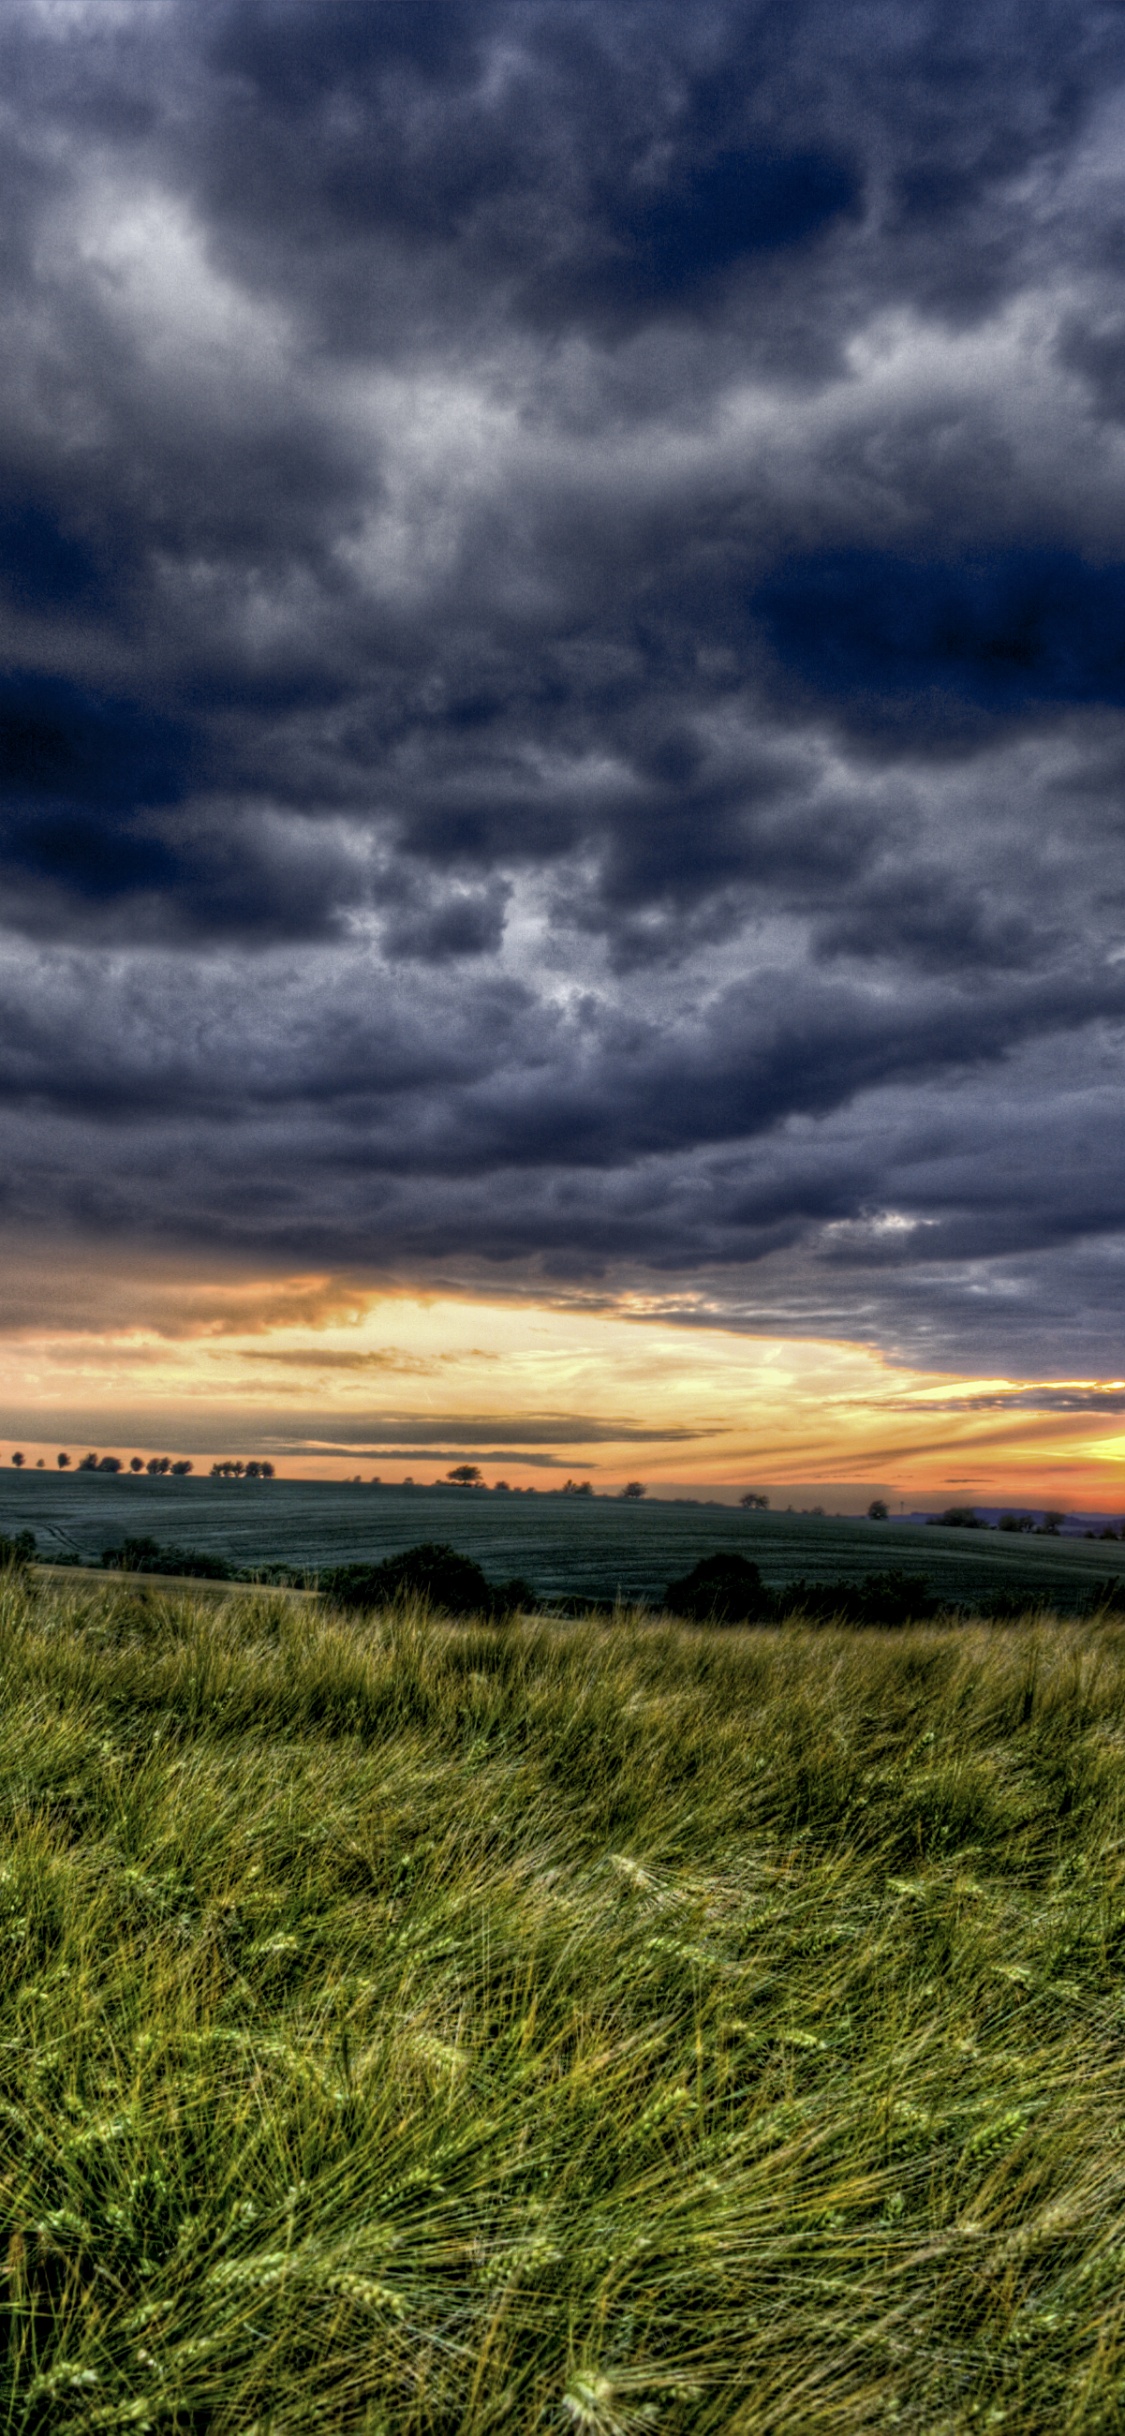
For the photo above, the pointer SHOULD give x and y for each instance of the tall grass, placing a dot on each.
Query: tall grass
(432, 2029)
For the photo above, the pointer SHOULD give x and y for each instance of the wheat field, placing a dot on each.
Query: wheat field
(414, 2027)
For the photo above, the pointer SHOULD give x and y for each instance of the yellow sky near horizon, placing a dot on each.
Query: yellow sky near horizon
(330, 1377)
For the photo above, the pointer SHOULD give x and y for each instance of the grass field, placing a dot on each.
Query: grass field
(441, 2029)
(565, 1547)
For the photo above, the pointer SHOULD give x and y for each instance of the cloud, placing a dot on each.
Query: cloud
(1030, 1400)
(922, 644)
(530, 1460)
(471, 1430)
(562, 681)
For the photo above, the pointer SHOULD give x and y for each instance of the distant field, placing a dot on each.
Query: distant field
(577, 1547)
(416, 2030)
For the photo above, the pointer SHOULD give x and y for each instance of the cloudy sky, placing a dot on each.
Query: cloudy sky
(562, 732)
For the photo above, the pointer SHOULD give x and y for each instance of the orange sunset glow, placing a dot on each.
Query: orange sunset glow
(329, 1379)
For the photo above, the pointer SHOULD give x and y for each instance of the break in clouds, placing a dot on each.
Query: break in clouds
(562, 692)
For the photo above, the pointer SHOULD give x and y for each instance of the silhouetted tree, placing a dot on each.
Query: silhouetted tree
(430, 1571)
(136, 1463)
(63, 1462)
(633, 1488)
(180, 1470)
(877, 1511)
(466, 1476)
(19, 1461)
(110, 1463)
(755, 1502)
(721, 1589)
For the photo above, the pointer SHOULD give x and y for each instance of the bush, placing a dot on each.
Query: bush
(723, 1589)
(17, 1549)
(432, 1571)
(726, 1589)
(880, 1600)
(147, 1556)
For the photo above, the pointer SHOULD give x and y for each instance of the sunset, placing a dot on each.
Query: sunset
(326, 1378)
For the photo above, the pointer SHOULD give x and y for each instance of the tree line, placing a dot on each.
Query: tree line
(156, 1466)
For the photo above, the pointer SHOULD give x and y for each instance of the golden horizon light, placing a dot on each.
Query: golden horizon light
(329, 1378)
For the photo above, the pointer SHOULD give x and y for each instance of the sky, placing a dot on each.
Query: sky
(562, 737)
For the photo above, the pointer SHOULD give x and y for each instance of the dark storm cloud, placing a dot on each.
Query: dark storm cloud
(562, 650)
(924, 645)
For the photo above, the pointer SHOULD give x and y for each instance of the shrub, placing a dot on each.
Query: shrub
(144, 1555)
(16, 1549)
(432, 1571)
(881, 1600)
(722, 1589)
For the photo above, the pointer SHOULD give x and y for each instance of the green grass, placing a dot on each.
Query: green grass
(443, 2029)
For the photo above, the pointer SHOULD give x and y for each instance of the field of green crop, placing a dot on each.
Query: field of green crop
(428, 2030)
(566, 1547)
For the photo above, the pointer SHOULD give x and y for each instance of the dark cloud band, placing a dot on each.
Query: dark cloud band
(562, 650)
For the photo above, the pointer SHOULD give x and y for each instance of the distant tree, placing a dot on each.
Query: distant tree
(465, 1476)
(265, 1470)
(754, 1502)
(1016, 1522)
(180, 1470)
(136, 1463)
(157, 1465)
(1050, 1525)
(19, 1461)
(633, 1489)
(877, 1511)
(89, 1463)
(960, 1518)
(63, 1462)
(502, 1484)
(110, 1463)
(577, 1488)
